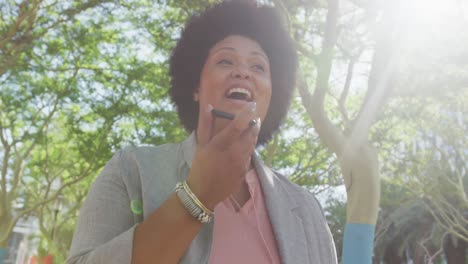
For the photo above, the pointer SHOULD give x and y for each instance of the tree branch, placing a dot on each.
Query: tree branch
(4, 194)
(329, 134)
(2, 136)
(18, 174)
(344, 93)
(83, 175)
(326, 56)
(381, 78)
(306, 52)
(34, 207)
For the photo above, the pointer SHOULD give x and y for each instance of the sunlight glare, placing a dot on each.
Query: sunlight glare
(433, 12)
(464, 9)
(425, 22)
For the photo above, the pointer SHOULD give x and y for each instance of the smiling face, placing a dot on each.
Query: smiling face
(236, 72)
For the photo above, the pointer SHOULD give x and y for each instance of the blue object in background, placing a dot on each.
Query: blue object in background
(3, 254)
(358, 243)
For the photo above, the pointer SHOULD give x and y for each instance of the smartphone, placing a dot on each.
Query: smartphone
(229, 116)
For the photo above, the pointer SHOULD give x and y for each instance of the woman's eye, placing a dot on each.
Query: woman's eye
(259, 67)
(225, 61)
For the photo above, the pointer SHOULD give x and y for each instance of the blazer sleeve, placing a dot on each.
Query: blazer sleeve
(358, 243)
(105, 227)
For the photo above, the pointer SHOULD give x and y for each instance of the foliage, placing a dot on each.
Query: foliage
(74, 88)
(336, 218)
(371, 66)
(297, 153)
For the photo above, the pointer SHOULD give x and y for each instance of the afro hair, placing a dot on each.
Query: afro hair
(259, 23)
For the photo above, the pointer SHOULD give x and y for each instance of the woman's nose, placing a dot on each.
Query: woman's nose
(240, 73)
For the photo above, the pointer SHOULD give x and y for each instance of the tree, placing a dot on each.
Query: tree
(424, 126)
(351, 136)
(437, 170)
(296, 151)
(336, 39)
(423, 197)
(73, 89)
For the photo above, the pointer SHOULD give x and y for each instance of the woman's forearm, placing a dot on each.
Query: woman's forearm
(165, 235)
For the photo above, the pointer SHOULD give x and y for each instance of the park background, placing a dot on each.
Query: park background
(382, 85)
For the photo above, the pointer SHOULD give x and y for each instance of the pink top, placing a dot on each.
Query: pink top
(245, 236)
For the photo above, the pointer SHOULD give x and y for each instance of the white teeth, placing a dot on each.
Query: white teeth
(240, 90)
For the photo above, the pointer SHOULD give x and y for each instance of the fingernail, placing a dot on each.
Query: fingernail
(208, 108)
(253, 105)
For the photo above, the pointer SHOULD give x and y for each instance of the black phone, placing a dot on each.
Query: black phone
(222, 114)
(226, 115)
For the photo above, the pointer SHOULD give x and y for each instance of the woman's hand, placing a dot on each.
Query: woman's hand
(222, 160)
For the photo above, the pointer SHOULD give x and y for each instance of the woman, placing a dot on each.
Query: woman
(237, 58)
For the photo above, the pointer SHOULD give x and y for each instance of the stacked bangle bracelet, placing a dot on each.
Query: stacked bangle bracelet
(192, 203)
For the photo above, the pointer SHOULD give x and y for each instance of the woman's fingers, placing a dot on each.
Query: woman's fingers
(205, 125)
(233, 132)
(248, 141)
(223, 159)
(250, 136)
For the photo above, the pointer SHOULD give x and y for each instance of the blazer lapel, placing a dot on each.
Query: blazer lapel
(287, 225)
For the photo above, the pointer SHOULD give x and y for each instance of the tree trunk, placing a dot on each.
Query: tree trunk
(5, 231)
(455, 254)
(392, 256)
(419, 254)
(360, 168)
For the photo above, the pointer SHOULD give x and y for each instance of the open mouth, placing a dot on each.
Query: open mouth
(240, 94)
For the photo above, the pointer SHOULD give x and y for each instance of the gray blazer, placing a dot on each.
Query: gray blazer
(137, 180)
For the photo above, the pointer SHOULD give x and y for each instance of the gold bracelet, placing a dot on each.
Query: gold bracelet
(191, 206)
(195, 199)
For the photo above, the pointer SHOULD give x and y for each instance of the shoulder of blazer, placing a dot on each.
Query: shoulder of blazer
(153, 155)
(307, 196)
